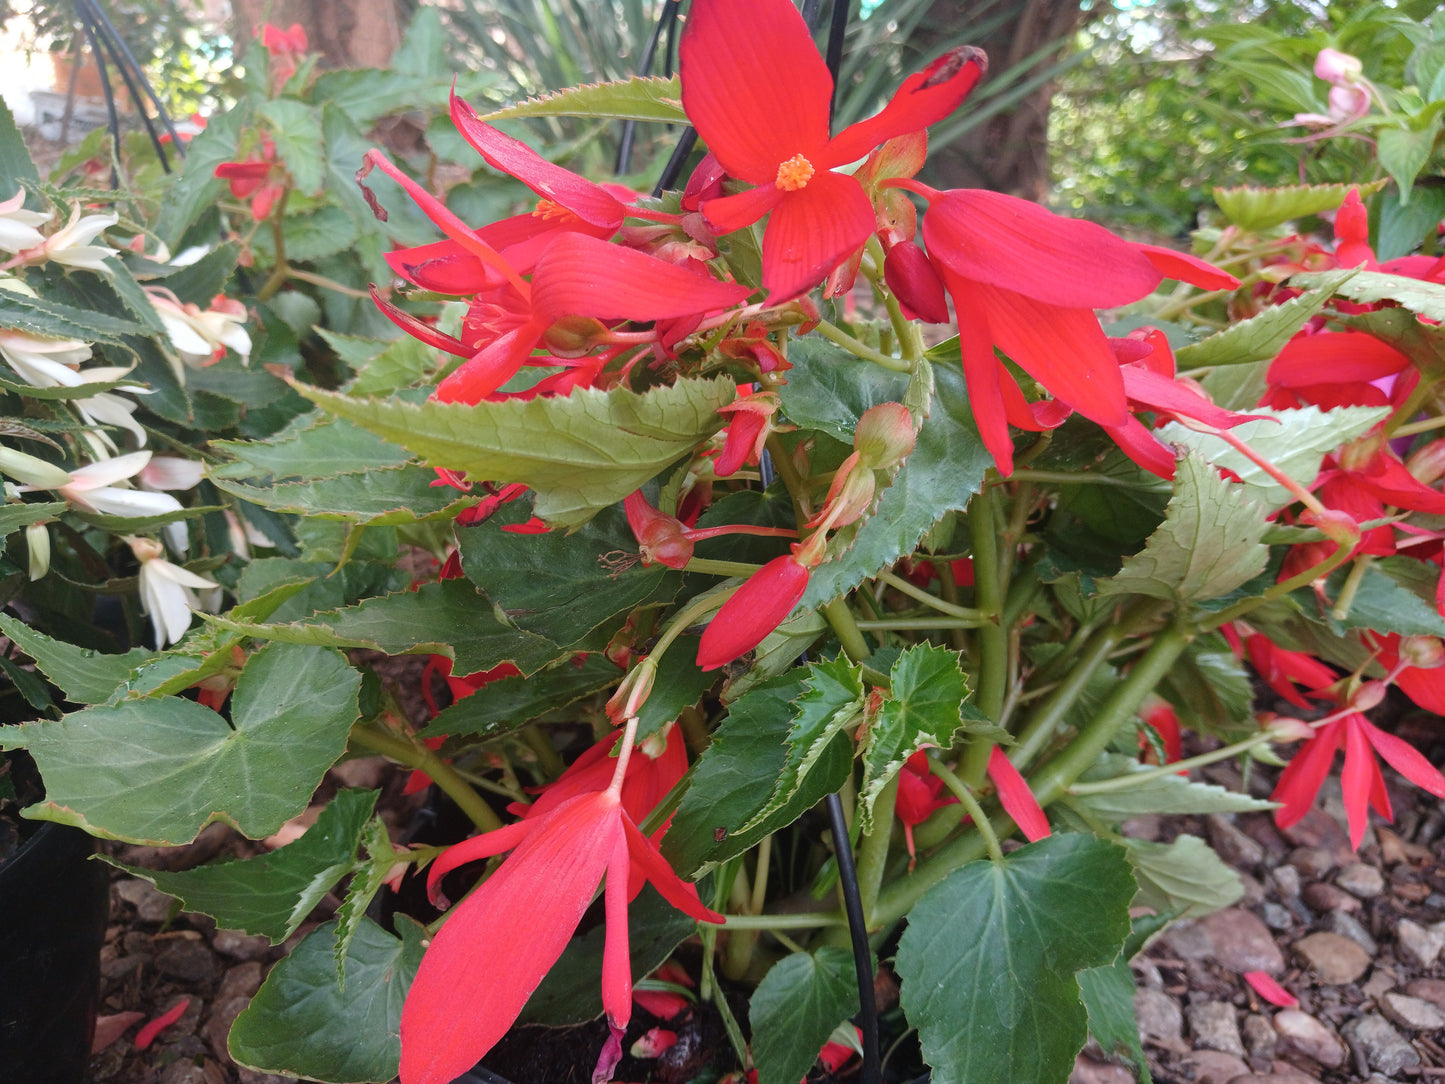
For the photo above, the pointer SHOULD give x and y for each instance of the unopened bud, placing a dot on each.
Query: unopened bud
(37, 539)
(1368, 695)
(31, 471)
(1425, 652)
(884, 435)
(1358, 454)
(915, 283)
(848, 497)
(628, 699)
(1336, 67)
(1283, 728)
(574, 336)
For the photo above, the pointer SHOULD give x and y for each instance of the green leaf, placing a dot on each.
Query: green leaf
(1382, 604)
(200, 282)
(1402, 225)
(83, 675)
(1163, 794)
(158, 771)
(829, 391)
(1208, 544)
(989, 959)
(313, 447)
(639, 98)
(801, 999)
(65, 391)
(323, 232)
(15, 162)
(504, 705)
(1404, 151)
(1185, 877)
(403, 363)
(296, 128)
(580, 452)
(1260, 209)
(305, 1022)
(1211, 689)
(736, 774)
(1108, 995)
(1420, 297)
(1261, 337)
(572, 991)
(560, 585)
(1295, 441)
(367, 879)
(923, 708)
(447, 618)
(1419, 340)
(55, 320)
(832, 699)
(198, 189)
(272, 894)
(382, 496)
(15, 516)
(679, 685)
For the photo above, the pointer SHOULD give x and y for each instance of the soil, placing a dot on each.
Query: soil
(1358, 938)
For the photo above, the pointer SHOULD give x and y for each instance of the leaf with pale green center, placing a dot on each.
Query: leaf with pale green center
(794, 1010)
(1258, 209)
(296, 129)
(924, 708)
(1384, 601)
(1185, 877)
(829, 390)
(639, 98)
(1420, 297)
(83, 675)
(272, 894)
(447, 618)
(831, 700)
(561, 585)
(1170, 794)
(157, 771)
(579, 453)
(1295, 441)
(508, 703)
(313, 446)
(15, 516)
(367, 879)
(65, 391)
(1208, 544)
(305, 1022)
(382, 496)
(991, 953)
(1404, 151)
(737, 774)
(1261, 337)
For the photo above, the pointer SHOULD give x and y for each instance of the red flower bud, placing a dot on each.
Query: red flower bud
(916, 284)
(758, 607)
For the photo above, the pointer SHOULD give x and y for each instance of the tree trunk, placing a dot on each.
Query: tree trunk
(347, 33)
(1008, 153)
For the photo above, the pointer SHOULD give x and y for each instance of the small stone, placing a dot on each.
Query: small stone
(1413, 1013)
(1091, 1072)
(243, 980)
(1232, 845)
(1287, 880)
(186, 961)
(1346, 925)
(1318, 829)
(1282, 1076)
(1260, 1038)
(218, 1024)
(1312, 861)
(251, 1076)
(1277, 916)
(150, 903)
(1420, 945)
(240, 946)
(1146, 826)
(1242, 942)
(1214, 1027)
(1322, 896)
(1385, 1048)
(1335, 959)
(188, 1072)
(1302, 1032)
(1254, 892)
(1188, 940)
(1212, 1066)
(1431, 990)
(1381, 981)
(1361, 880)
(1158, 1014)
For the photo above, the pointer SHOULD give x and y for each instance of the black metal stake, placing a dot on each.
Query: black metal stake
(858, 931)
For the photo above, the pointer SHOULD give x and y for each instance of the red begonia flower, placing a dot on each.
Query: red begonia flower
(1015, 797)
(760, 96)
(758, 607)
(1282, 670)
(498, 943)
(920, 795)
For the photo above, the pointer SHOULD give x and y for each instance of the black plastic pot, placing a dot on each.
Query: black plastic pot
(54, 904)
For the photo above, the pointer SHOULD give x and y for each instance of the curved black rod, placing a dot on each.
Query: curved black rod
(92, 16)
(667, 17)
(837, 28)
(118, 44)
(90, 36)
(678, 159)
(858, 931)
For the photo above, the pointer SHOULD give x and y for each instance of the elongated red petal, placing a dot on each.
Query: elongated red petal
(616, 958)
(582, 276)
(445, 267)
(729, 213)
(682, 895)
(1360, 781)
(983, 374)
(1065, 350)
(500, 941)
(754, 86)
(1301, 779)
(924, 98)
(1405, 759)
(148, 1034)
(759, 607)
(1019, 246)
(1162, 393)
(491, 367)
(1143, 447)
(917, 285)
(1186, 267)
(1016, 798)
(418, 329)
(1334, 357)
(486, 845)
(588, 201)
(1270, 990)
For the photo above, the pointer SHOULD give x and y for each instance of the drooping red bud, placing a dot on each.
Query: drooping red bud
(916, 284)
(758, 607)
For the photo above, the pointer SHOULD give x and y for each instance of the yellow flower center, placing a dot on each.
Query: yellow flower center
(548, 209)
(795, 173)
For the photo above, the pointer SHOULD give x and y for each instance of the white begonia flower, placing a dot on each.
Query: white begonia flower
(42, 362)
(92, 488)
(17, 226)
(70, 245)
(200, 335)
(167, 591)
(37, 540)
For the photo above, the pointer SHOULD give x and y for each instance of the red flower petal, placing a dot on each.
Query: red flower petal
(1301, 779)
(148, 1034)
(1015, 797)
(754, 87)
(1017, 245)
(1405, 759)
(758, 607)
(1334, 357)
(813, 230)
(1270, 990)
(1361, 782)
(445, 267)
(729, 213)
(1184, 267)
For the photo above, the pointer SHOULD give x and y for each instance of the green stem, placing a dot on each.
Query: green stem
(417, 755)
(809, 920)
(988, 592)
(837, 335)
(898, 583)
(845, 627)
(970, 806)
(1412, 404)
(326, 283)
(1069, 478)
(537, 740)
(903, 623)
(1124, 782)
(873, 848)
(720, 568)
(1351, 586)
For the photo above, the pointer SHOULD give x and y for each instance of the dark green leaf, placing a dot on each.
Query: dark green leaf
(1185, 877)
(83, 675)
(500, 706)
(198, 189)
(296, 128)
(55, 320)
(15, 516)
(796, 1007)
(322, 448)
(990, 955)
(382, 496)
(1261, 337)
(1404, 151)
(15, 162)
(639, 98)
